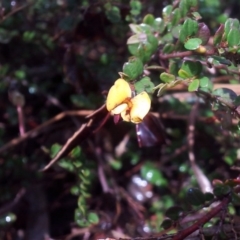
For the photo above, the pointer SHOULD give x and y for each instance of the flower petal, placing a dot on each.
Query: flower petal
(126, 115)
(118, 93)
(119, 108)
(140, 107)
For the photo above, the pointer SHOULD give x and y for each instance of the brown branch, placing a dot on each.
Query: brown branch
(16, 10)
(36, 131)
(186, 232)
(9, 206)
(184, 54)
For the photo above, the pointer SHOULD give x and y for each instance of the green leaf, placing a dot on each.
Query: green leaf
(176, 30)
(133, 49)
(66, 164)
(208, 196)
(176, 16)
(152, 174)
(166, 12)
(135, 28)
(221, 190)
(136, 7)
(195, 197)
(93, 218)
(190, 69)
(189, 29)
(228, 25)
(226, 94)
(133, 68)
(183, 6)
(153, 41)
(167, 223)
(149, 19)
(166, 77)
(174, 213)
(193, 86)
(173, 68)
(168, 48)
(145, 51)
(192, 43)
(205, 84)
(113, 15)
(235, 199)
(158, 25)
(218, 35)
(76, 152)
(183, 74)
(196, 16)
(55, 148)
(144, 84)
(145, 28)
(168, 37)
(233, 37)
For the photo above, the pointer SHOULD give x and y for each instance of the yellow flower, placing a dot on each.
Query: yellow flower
(119, 101)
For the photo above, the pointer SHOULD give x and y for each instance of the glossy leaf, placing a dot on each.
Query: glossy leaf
(176, 16)
(149, 19)
(145, 28)
(135, 28)
(218, 35)
(208, 196)
(174, 213)
(226, 94)
(133, 68)
(168, 48)
(235, 199)
(153, 175)
(150, 132)
(144, 84)
(166, 77)
(113, 15)
(92, 218)
(183, 6)
(176, 30)
(221, 190)
(193, 86)
(167, 223)
(189, 29)
(233, 37)
(192, 43)
(190, 69)
(153, 41)
(195, 197)
(166, 12)
(203, 33)
(158, 25)
(133, 49)
(145, 52)
(205, 84)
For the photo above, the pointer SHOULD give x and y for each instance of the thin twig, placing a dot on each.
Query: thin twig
(9, 206)
(36, 131)
(21, 122)
(16, 10)
(202, 180)
(186, 232)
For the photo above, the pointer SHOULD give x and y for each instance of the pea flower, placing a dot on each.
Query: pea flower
(120, 101)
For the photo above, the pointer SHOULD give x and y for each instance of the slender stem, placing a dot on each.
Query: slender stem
(186, 232)
(21, 121)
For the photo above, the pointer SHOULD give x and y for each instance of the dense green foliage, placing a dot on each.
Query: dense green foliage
(71, 171)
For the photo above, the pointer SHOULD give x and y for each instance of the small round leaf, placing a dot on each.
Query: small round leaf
(192, 43)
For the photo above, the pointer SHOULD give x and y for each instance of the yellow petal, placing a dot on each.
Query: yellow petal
(140, 107)
(126, 115)
(119, 108)
(118, 93)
